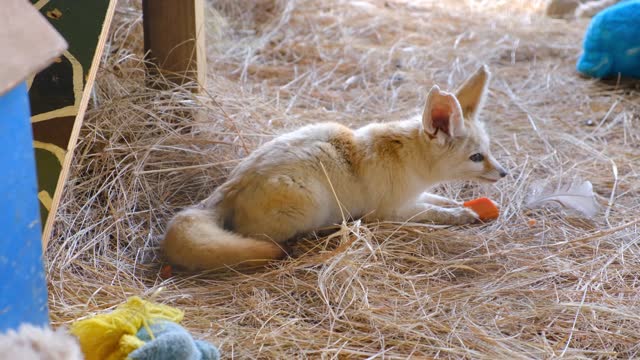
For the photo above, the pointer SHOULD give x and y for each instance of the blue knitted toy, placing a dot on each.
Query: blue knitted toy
(612, 42)
(171, 341)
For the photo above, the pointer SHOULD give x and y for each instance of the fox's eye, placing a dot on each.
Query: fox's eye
(477, 157)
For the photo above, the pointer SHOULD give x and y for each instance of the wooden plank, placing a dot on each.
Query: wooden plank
(174, 38)
(25, 49)
(23, 289)
(60, 93)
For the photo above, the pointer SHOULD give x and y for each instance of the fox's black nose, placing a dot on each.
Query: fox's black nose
(503, 173)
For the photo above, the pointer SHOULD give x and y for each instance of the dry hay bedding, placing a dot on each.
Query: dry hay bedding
(565, 286)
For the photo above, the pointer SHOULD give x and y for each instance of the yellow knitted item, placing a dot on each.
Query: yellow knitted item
(112, 336)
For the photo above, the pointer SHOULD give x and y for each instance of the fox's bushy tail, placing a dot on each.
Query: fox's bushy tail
(195, 240)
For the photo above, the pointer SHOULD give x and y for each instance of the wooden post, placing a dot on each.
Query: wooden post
(174, 38)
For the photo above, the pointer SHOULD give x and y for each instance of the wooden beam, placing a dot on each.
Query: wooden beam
(174, 38)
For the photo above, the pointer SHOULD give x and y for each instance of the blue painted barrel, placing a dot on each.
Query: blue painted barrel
(23, 290)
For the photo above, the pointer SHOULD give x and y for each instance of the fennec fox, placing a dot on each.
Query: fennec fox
(307, 179)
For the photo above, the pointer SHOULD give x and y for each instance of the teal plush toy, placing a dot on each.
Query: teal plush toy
(612, 42)
(171, 341)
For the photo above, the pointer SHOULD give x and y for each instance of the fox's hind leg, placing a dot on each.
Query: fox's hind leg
(280, 207)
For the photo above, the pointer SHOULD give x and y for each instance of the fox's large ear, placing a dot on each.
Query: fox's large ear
(472, 92)
(442, 117)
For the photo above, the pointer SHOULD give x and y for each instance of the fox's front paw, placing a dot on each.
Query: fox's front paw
(462, 216)
(434, 214)
(437, 200)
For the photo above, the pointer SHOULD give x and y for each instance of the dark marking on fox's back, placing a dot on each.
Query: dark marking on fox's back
(345, 145)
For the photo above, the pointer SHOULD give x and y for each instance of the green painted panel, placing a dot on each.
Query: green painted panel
(80, 23)
(55, 93)
(47, 163)
(52, 88)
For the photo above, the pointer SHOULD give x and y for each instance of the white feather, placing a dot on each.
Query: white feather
(577, 195)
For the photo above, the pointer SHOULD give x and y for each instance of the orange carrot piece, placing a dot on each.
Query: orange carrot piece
(484, 207)
(166, 272)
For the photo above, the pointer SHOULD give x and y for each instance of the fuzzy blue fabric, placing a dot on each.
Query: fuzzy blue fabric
(171, 342)
(612, 42)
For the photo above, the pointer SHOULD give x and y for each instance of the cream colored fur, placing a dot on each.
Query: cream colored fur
(36, 343)
(309, 178)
